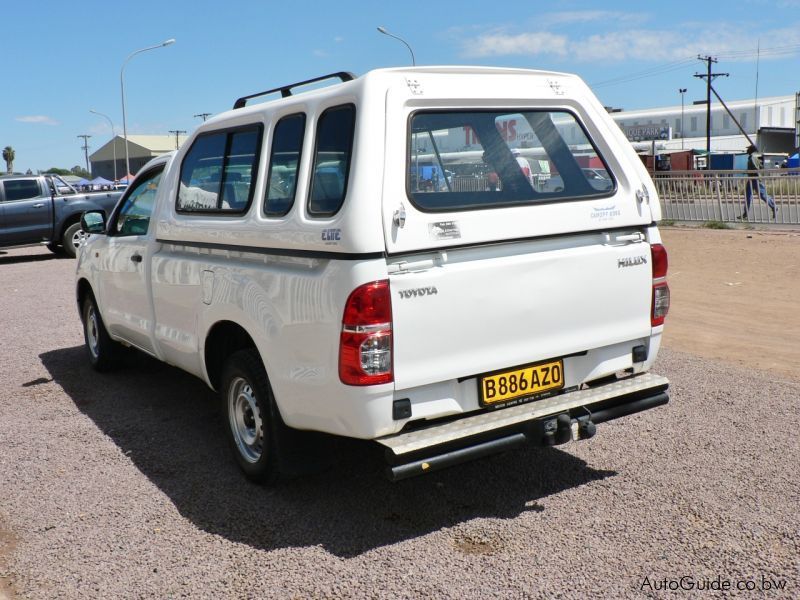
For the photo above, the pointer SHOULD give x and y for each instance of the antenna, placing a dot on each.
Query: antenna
(755, 101)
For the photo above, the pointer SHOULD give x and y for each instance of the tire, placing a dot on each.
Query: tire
(72, 239)
(55, 249)
(104, 353)
(252, 421)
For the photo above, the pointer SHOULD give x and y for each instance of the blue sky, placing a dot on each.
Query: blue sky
(63, 59)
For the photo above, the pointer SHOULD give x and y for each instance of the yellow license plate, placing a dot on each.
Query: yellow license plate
(522, 383)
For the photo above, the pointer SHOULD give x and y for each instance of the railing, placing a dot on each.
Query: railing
(469, 184)
(722, 195)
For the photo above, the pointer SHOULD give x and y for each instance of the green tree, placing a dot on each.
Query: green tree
(9, 155)
(57, 171)
(80, 172)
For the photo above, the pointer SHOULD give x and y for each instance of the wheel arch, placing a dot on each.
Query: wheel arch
(82, 289)
(223, 339)
(70, 220)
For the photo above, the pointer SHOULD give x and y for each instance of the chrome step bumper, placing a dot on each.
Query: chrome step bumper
(474, 434)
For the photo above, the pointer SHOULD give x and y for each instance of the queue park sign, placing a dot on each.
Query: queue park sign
(646, 133)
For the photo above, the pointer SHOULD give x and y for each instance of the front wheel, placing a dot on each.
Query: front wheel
(251, 415)
(104, 353)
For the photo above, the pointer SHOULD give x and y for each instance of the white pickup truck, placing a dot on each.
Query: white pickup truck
(369, 259)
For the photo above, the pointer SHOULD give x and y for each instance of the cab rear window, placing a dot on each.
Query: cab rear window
(486, 159)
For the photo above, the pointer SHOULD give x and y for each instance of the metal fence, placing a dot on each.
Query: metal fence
(721, 195)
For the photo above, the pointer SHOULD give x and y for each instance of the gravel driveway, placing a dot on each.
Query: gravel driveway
(121, 485)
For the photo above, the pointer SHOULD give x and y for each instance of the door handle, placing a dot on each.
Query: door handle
(38, 205)
(137, 258)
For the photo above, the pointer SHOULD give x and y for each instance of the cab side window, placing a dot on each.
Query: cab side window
(334, 145)
(218, 173)
(287, 146)
(134, 216)
(21, 189)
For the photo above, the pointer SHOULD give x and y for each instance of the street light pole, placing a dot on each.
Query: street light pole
(113, 139)
(122, 89)
(384, 32)
(682, 91)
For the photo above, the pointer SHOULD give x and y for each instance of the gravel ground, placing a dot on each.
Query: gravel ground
(121, 486)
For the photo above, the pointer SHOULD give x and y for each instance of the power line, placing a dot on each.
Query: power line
(203, 116)
(681, 63)
(657, 70)
(774, 50)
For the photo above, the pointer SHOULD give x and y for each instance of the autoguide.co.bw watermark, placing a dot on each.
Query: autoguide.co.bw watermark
(718, 584)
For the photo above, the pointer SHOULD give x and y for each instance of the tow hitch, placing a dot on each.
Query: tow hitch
(539, 424)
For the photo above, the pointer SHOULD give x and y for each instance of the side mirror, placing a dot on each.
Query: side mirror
(93, 221)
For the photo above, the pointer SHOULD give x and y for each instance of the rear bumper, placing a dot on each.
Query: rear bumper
(555, 420)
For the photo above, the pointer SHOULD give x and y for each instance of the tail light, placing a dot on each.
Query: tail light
(365, 344)
(660, 288)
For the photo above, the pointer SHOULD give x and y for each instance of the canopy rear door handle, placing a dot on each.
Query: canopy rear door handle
(137, 258)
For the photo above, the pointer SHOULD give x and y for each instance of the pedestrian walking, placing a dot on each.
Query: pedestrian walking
(754, 184)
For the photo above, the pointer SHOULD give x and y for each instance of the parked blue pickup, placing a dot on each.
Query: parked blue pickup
(46, 209)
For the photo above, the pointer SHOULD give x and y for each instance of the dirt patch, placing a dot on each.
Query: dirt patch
(7, 543)
(735, 297)
(477, 543)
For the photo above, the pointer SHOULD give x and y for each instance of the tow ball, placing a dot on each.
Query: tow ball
(563, 428)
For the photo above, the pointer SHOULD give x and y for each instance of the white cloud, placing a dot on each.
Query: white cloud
(589, 16)
(320, 53)
(39, 119)
(729, 42)
(338, 39)
(502, 44)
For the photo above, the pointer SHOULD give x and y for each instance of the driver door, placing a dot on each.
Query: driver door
(125, 270)
(26, 212)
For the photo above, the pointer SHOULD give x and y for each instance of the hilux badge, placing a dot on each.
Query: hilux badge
(631, 261)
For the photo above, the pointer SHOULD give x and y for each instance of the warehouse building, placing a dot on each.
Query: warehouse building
(772, 123)
(141, 148)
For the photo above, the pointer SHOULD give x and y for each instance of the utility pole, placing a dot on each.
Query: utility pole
(177, 132)
(203, 116)
(86, 150)
(709, 77)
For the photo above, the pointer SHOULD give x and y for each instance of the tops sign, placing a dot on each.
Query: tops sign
(642, 133)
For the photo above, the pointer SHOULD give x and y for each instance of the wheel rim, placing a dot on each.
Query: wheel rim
(92, 331)
(245, 420)
(78, 238)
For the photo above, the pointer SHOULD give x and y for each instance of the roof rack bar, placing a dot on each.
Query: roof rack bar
(286, 90)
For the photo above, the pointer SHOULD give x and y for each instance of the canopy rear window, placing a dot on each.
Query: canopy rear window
(487, 159)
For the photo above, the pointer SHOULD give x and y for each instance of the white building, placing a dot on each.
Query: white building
(771, 122)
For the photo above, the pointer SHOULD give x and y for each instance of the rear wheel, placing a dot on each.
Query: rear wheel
(55, 249)
(104, 353)
(72, 239)
(252, 417)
